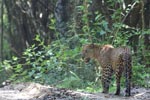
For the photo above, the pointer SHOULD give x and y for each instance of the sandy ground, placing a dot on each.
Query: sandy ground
(34, 91)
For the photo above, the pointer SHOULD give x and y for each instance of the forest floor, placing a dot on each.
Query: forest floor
(35, 91)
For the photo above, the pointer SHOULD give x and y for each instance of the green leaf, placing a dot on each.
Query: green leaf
(15, 58)
(102, 32)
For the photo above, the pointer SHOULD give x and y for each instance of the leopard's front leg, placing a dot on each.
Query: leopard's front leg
(106, 78)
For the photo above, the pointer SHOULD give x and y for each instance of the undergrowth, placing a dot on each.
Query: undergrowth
(60, 65)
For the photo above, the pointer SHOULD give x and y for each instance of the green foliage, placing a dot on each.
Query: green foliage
(58, 64)
(141, 76)
(73, 81)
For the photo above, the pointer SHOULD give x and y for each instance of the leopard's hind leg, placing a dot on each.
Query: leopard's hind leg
(118, 78)
(128, 72)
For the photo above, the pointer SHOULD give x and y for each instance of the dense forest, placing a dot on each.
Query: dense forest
(41, 40)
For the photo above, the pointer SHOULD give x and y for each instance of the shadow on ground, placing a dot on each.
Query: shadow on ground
(35, 91)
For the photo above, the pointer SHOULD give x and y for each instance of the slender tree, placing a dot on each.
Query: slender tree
(1, 48)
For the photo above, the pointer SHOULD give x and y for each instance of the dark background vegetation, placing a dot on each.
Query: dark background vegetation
(41, 40)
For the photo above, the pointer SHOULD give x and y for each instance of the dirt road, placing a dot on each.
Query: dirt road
(34, 91)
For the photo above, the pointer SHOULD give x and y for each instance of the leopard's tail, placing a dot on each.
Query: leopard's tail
(128, 70)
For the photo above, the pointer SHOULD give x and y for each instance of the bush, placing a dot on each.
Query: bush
(59, 64)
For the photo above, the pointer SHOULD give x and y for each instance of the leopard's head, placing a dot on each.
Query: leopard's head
(87, 52)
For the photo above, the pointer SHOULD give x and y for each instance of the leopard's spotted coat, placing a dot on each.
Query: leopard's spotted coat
(112, 60)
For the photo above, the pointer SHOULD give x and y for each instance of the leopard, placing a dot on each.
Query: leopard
(112, 61)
